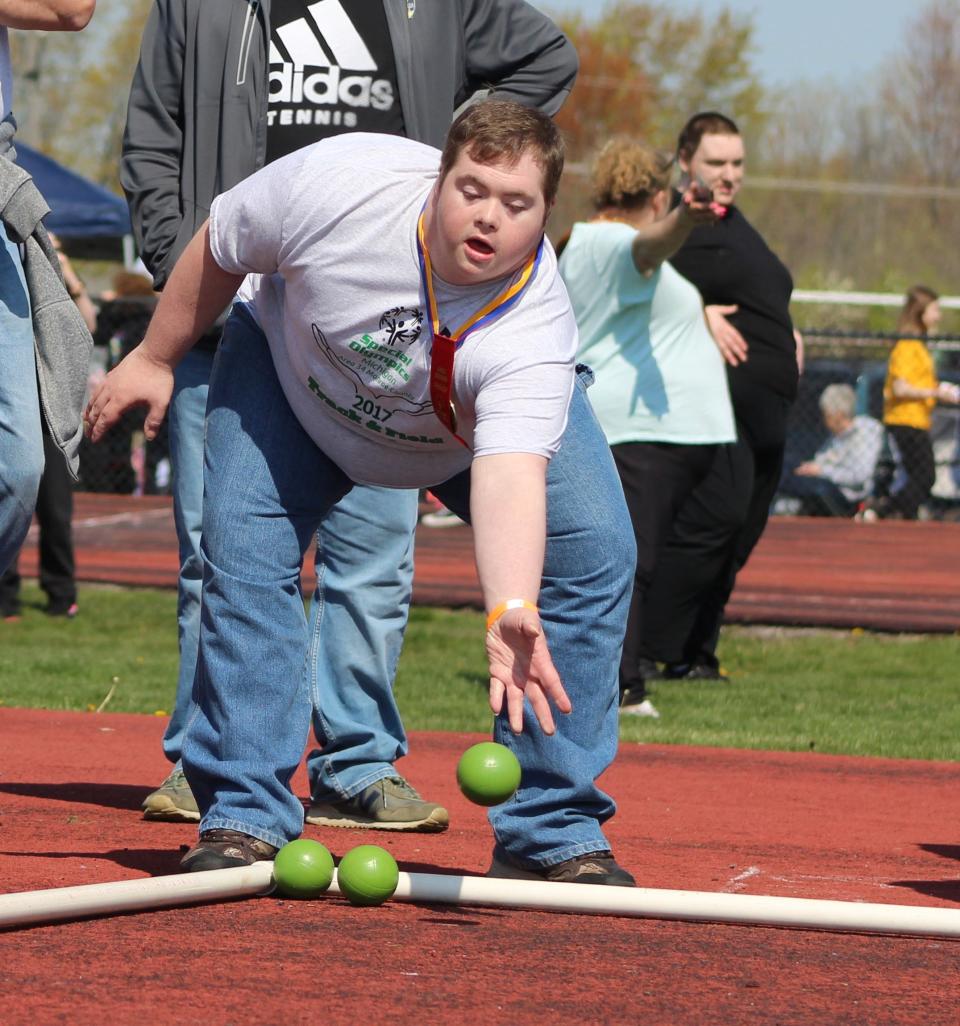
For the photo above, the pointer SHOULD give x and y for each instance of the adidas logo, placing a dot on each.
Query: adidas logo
(325, 40)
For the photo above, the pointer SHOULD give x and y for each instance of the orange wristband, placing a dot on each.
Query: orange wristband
(499, 610)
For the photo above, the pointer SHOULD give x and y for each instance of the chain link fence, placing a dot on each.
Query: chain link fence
(860, 361)
(125, 464)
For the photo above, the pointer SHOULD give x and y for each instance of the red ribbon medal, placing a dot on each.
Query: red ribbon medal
(445, 345)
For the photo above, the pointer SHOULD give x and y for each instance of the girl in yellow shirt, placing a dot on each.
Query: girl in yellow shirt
(910, 393)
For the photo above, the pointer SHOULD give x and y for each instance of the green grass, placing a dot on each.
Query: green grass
(829, 691)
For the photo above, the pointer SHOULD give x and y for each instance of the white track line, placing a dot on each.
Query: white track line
(739, 881)
(122, 518)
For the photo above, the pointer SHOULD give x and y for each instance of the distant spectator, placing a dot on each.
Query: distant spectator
(125, 312)
(910, 393)
(661, 390)
(54, 511)
(54, 504)
(75, 286)
(839, 476)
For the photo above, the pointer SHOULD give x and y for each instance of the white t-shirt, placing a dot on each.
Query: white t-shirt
(328, 235)
(6, 74)
(659, 374)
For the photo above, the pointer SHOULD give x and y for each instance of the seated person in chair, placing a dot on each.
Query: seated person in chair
(840, 474)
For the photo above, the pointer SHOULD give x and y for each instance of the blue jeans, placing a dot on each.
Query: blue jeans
(21, 442)
(819, 496)
(364, 571)
(268, 487)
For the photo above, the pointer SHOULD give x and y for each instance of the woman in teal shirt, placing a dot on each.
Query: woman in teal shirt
(661, 390)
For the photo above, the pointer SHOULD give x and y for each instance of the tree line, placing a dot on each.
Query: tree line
(861, 185)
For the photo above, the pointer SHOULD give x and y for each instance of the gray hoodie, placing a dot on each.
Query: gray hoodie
(197, 116)
(63, 343)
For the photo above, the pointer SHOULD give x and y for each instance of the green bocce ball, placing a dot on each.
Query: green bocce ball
(488, 773)
(303, 869)
(368, 875)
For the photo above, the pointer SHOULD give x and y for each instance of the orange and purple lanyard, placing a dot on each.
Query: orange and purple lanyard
(445, 345)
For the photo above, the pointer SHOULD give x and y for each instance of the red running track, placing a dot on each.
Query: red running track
(814, 572)
(802, 825)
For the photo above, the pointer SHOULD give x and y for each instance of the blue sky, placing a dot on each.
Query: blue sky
(802, 39)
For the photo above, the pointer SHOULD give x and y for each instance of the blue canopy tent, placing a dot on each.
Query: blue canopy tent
(92, 222)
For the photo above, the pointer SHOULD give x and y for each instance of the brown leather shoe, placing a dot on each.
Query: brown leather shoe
(225, 849)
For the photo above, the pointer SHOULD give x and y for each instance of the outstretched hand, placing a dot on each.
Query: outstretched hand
(521, 667)
(136, 381)
(698, 204)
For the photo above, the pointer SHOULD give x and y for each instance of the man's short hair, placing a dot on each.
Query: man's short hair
(839, 399)
(707, 122)
(495, 130)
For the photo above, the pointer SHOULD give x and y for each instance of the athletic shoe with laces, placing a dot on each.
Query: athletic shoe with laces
(225, 849)
(634, 702)
(388, 804)
(598, 867)
(173, 801)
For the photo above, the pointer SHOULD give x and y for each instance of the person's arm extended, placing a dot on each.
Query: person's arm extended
(198, 291)
(508, 510)
(944, 392)
(47, 15)
(660, 239)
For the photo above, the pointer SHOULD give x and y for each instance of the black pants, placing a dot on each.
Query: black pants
(54, 513)
(657, 478)
(916, 457)
(712, 538)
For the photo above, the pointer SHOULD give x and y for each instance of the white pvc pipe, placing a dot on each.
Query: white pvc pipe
(705, 906)
(133, 895)
(429, 888)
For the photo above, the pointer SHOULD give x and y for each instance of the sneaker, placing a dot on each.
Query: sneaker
(67, 609)
(441, 518)
(173, 800)
(647, 669)
(599, 867)
(876, 508)
(697, 671)
(389, 804)
(787, 506)
(634, 702)
(225, 849)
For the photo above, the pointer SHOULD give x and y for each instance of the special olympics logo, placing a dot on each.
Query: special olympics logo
(402, 324)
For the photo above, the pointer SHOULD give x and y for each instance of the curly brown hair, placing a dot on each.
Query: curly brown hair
(626, 173)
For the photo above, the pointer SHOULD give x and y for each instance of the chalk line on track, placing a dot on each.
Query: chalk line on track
(738, 882)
